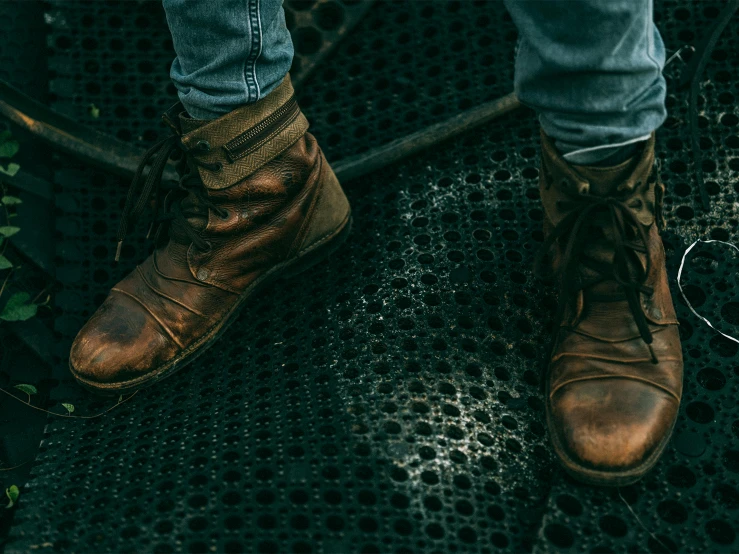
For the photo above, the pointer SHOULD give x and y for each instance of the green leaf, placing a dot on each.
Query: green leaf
(5, 134)
(28, 389)
(9, 148)
(5, 263)
(18, 308)
(9, 231)
(120, 399)
(11, 170)
(11, 200)
(12, 493)
(94, 111)
(69, 407)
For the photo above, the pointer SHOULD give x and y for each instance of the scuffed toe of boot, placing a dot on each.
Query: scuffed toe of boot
(120, 343)
(613, 434)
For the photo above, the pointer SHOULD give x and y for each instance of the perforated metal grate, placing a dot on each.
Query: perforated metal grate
(22, 32)
(389, 401)
(409, 65)
(109, 61)
(358, 408)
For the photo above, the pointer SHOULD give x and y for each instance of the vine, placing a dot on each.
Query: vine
(20, 306)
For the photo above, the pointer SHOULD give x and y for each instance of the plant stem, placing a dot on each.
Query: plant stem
(39, 294)
(15, 467)
(68, 414)
(3, 191)
(5, 282)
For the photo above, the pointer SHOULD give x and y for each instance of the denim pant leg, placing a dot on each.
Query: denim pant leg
(229, 52)
(592, 69)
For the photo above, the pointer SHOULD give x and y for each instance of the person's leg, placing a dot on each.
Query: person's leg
(256, 199)
(592, 69)
(230, 53)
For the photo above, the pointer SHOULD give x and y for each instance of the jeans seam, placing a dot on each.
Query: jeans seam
(255, 50)
(650, 36)
(650, 56)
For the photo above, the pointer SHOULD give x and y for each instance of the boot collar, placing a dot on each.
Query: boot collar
(599, 181)
(243, 140)
(633, 181)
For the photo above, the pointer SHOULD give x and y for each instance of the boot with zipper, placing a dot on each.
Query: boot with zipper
(614, 380)
(256, 200)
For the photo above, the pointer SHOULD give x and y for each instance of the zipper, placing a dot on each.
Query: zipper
(255, 137)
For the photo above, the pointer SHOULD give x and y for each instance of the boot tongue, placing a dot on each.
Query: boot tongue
(631, 183)
(194, 213)
(621, 180)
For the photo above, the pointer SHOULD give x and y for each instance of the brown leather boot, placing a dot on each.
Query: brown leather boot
(615, 373)
(256, 199)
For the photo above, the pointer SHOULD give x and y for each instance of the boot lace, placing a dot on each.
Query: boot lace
(619, 225)
(146, 184)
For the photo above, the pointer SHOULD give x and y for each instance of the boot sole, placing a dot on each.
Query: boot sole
(314, 254)
(600, 478)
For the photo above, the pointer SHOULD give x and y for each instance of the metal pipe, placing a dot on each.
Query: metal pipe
(399, 149)
(66, 135)
(122, 158)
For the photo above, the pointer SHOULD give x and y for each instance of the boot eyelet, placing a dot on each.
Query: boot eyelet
(218, 167)
(203, 146)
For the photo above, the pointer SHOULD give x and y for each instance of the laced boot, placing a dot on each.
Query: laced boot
(614, 380)
(256, 199)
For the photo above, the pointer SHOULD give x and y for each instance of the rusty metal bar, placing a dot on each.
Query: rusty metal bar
(66, 135)
(357, 166)
(122, 158)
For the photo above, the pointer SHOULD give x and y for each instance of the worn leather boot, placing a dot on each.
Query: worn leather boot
(615, 375)
(256, 200)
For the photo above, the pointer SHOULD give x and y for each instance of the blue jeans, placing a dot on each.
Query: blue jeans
(592, 69)
(229, 52)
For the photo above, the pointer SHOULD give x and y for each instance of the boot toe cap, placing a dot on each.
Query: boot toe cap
(611, 425)
(120, 343)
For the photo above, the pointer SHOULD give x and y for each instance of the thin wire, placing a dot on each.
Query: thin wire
(678, 54)
(679, 285)
(639, 521)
